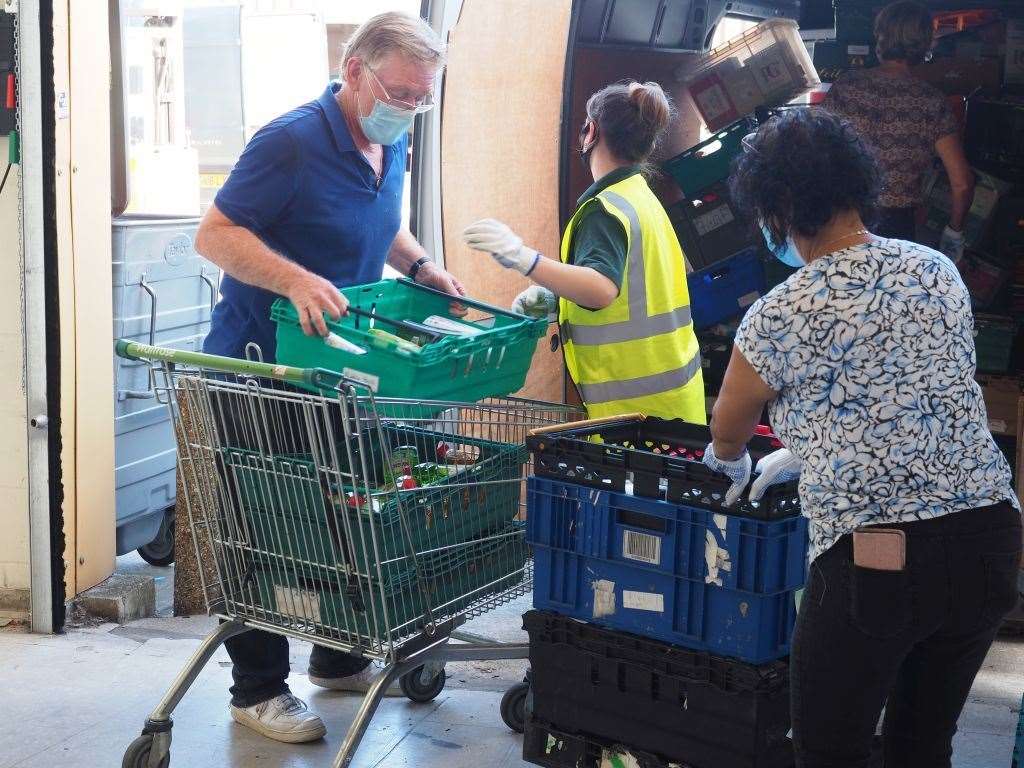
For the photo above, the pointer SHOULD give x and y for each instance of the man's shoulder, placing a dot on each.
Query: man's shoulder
(294, 122)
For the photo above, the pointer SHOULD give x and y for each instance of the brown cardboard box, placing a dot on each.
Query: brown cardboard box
(1002, 402)
(962, 76)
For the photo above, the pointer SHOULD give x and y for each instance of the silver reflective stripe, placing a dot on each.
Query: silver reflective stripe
(627, 389)
(637, 274)
(627, 330)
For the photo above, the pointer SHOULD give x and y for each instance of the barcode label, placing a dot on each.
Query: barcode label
(641, 547)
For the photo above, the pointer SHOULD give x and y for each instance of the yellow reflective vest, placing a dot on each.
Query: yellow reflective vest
(639, 354)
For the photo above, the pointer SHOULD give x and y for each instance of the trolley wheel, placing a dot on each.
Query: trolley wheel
(513, 706)
(137, 754)
(160, 551)
(420, 689)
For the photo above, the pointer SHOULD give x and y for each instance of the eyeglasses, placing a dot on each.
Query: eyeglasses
(425, 104)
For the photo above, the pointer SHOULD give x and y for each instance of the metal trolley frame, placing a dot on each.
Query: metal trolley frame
(308, 520)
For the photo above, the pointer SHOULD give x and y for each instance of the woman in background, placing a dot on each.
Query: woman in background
(908, 122)
(620, 285)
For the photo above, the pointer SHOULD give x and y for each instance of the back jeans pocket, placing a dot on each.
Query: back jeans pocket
(881, 604)
(1001, 588)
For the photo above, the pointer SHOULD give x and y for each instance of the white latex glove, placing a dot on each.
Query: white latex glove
(495, 238)
(952, 244)
(779, 466)
(737, 470)
(535, 301)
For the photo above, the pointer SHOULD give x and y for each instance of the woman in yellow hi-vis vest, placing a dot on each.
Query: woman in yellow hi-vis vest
(620, 285)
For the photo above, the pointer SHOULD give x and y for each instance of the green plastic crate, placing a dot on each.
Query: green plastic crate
(451, 581)
(994, 337)
(290, 510)
(493, 363)
(704, 164)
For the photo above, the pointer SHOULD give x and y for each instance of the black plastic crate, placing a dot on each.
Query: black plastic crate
(714, 229)
(661, 458)
(994, 136)
(673, 704)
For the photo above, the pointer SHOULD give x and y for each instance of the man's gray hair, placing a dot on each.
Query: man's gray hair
(394, 32)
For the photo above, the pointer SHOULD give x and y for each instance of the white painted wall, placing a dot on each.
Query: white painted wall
(14, 545)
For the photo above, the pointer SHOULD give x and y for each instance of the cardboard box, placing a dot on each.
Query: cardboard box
(962, 76)
(1002, 403)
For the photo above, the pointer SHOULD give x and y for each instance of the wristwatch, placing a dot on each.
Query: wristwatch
(417, 265)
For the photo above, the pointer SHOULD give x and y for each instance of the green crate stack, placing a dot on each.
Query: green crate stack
(493, 362)
(291, 510)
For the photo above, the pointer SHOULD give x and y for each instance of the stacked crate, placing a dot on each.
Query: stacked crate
(662, 618)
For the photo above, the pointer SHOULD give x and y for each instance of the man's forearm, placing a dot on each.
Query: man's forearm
(245, 257)
(405, 251)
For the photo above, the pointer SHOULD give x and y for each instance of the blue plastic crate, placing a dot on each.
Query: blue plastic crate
(687, 576)
(1018, 747)
(725, 289)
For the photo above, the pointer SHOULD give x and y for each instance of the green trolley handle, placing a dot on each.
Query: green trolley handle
(314, 377)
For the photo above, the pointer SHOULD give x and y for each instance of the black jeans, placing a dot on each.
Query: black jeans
(897, 223)
(910, 641)
(260, 659)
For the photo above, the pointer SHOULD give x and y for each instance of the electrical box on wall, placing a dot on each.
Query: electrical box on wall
(7, 93)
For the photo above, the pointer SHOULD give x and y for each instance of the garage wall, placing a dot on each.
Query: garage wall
(14, 545)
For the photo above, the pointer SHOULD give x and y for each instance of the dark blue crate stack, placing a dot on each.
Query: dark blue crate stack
(630, 534)
(688, 576)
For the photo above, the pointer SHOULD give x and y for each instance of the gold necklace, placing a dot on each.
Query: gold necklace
(823, 248)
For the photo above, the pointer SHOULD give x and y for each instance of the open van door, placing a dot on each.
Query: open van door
(492, 149)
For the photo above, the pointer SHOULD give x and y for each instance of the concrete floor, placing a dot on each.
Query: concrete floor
(78, 699)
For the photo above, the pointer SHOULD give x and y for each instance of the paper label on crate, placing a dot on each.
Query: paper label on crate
(712, 99)
(604, 598)
(858, 50)
(643, 601)
(642, 547)
(997, 425)
(709, 222)
(371, 381)
(748, 298)
(297, 603)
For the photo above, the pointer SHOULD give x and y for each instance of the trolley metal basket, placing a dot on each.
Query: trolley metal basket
(374, 527)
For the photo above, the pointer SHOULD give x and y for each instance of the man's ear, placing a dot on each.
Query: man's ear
(353, 69)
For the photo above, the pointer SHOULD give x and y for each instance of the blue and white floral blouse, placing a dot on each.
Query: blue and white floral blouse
(871, 350)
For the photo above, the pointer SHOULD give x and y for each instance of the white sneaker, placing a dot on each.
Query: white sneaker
(357, 683)
(284, 718)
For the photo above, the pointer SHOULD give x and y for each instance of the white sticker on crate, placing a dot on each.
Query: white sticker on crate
(643, 601)
(716, 556)
(297, 603)
(642, 547)
(709, 222)
(371, 381)
(604, 598)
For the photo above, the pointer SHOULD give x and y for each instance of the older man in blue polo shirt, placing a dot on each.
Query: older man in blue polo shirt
(315, 204)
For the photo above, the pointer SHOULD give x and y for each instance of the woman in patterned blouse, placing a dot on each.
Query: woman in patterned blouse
(908, 122)
(865, 358)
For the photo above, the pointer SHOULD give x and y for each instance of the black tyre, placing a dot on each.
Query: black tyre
(513, 706)
(420, 690)
(160, 551)
(137, 754)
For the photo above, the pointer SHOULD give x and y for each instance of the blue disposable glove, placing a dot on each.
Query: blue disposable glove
(779, 466)
(737, 470)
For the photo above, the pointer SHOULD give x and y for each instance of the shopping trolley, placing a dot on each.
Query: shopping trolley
(371, 526)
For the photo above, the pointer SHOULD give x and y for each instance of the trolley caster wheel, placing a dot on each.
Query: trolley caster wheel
(160, 551)
(137, 754)
(513, 706)
(420, 687)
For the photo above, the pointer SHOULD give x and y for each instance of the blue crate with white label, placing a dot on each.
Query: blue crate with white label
(688, 576)
(725, 290)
